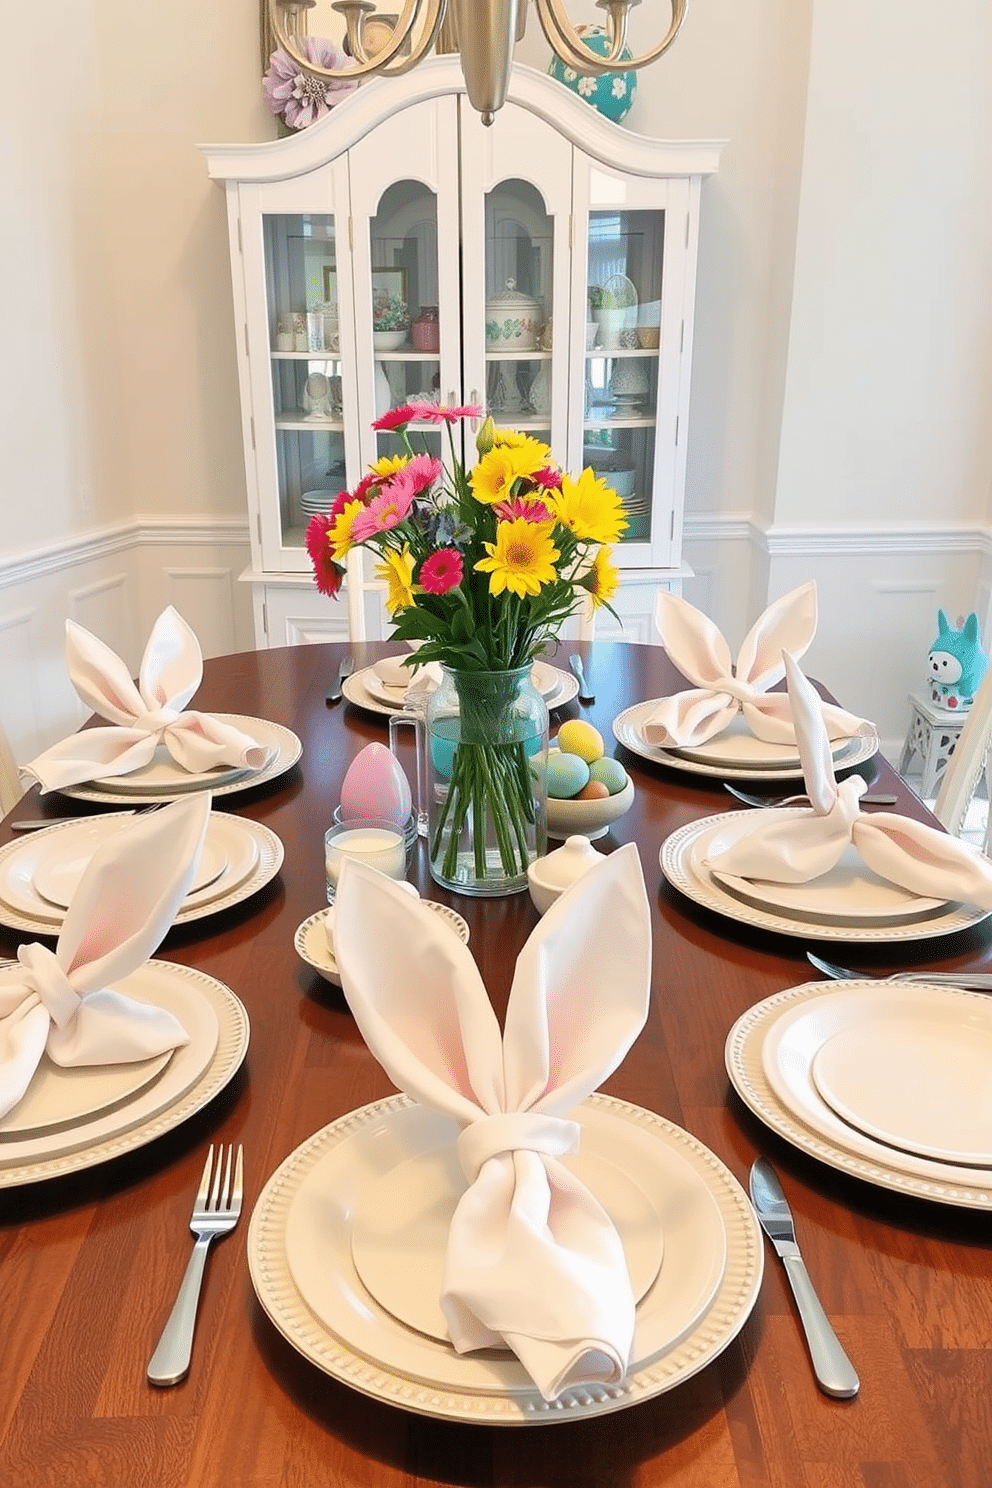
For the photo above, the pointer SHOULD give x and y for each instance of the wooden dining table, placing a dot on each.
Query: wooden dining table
(90, 1262)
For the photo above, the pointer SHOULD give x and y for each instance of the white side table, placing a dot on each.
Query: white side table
(933, 733)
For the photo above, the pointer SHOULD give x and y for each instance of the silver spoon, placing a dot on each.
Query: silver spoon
(868, 799)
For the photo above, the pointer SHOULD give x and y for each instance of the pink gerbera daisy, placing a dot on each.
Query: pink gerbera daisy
(422, 471)
(433, 413)
(441, 571)
(523, 506)
(386, 510)
(398, 418)
(547, 478)
(326, 572)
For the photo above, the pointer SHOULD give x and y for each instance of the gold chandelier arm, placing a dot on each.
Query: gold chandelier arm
(566, 42)
(363, 66)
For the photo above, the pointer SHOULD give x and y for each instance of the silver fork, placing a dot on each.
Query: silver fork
(868, 799)
(215, 1212)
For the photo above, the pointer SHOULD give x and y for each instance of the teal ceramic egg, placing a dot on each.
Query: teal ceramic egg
(566, 774)
(612, 93)
(609, 772)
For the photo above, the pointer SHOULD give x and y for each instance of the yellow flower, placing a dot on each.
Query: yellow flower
(493, 478)
(339, 536)
(509, 438)
(602, 578)
(388, 465)
(398, 573)
(521, 559)
(589, 508)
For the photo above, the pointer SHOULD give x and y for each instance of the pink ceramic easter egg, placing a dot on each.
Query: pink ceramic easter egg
(376, 786)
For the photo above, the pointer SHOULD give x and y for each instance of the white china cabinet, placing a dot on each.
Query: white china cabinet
(399, 251)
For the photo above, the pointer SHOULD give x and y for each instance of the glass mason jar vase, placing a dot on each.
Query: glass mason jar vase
(482, 742)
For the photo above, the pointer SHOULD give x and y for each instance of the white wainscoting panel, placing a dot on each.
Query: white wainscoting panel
(115, 583)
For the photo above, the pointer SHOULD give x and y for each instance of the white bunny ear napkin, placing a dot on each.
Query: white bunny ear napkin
(721, 690)
(122, 908)
(171, 671)
(533, 1261)
(796, 849)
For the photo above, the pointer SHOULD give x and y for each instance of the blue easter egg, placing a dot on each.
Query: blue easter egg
(566, 774)
(611, 93)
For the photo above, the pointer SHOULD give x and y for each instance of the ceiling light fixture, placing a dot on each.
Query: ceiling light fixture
(483, 32)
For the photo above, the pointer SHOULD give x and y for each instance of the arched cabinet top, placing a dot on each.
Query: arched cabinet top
(599, 138)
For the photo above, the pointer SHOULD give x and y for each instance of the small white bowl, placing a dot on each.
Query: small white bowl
(388, 340)
(590, 819)
(312, 945)
(549, 877)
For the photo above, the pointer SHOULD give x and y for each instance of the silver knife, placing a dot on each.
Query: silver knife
(835, 1374)
(344, 670)
(586, 695)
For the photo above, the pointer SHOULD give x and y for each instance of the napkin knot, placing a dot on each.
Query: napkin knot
(508, 1131)
(156, 720)
(45, 976)
(737, 690)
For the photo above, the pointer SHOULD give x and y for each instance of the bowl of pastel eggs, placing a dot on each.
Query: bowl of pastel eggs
(587, 789)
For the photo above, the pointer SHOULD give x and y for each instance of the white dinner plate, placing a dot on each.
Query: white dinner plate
(804, 1118)
(56, 877)
(216, 1020)
(400, 1229)
(284, 750)
(627, 731)
(358, 692)
(681, 858)
(58, 1097)
(713, 1250)
(736, 747)
(911, 1068)
(849, 894)
(252, 853)
(312, 946)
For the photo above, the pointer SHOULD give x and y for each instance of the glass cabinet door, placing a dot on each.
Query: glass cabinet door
(519, 253)
(307, 370)
(406, 310)
(631, 361)
(622, 340)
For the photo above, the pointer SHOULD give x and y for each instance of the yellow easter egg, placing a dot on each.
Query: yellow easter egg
(578, 737)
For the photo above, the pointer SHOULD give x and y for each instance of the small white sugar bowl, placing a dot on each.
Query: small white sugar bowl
(549, 877)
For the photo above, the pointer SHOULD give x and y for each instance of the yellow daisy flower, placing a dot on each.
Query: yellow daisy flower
(602, 578)
(493, 478)
(589, 508)
(339, 536)
(521, 559)
(388, 465)
(398, 573)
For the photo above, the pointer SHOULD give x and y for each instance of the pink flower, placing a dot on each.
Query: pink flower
(340, 502)
(300, 96)
(386, 510)
(432, 413)
(441, 571)
(370, 482)
(326, 572)
(397, 418)
(547, 478)
(422, 471)
(521, 506)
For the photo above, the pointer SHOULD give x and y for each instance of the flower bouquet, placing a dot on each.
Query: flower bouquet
(482, 566)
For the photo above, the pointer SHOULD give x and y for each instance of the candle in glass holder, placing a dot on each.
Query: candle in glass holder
(377, 843)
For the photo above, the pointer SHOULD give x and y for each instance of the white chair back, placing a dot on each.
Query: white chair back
(965, 766)
(11, 789)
